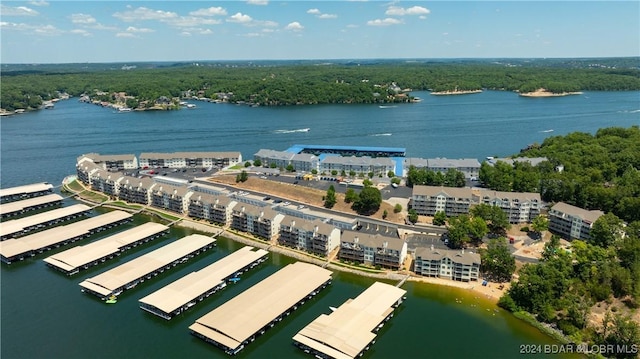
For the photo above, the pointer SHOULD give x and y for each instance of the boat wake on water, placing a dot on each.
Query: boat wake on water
(293, 131)
(546, 131)
(380, 134)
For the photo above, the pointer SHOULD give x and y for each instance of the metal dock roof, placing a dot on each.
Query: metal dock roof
(25, 204)
(189, 287)
(76, 257)
(26, 189)
(108, 282)
(47, 238)
(241, 317)
(347, 331)
(11, 227)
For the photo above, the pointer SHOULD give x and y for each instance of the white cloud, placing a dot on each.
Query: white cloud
(240, 18)
(143, 13)
(352, 26)
(384, 22)
(139, 29)
(327, 16)
(399, 11)
(252, 34)
(83, 19)
(191, 21)
(294, 26)
(185, 33)
(212, 11)
(81, 32)
(17, 11)
(422, 17)
(268, 30)
(206, 32)
(48, 30)
(125, 34)
(39, 3)
(313, 11)
(258, 2)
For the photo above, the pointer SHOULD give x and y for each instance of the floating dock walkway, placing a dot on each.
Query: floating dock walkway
(20, 207)
(128, 275)
(19, 248)
(74, 259)
(18, 227)
(239, 321)
(24, 192)
(185, 292)
(350, 330)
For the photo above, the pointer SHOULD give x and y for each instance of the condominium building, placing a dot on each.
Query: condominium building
(379, 166)
(190, 159)
(445, 263)
(214, 208)
(470, 167)
(280, 159)
(520, 207)
(85, 168)
(111, 162)
(453, 201)
(105, 182)
(172, 198)
(572, 222)
(372, 249)
(135, 190)
(263, 222)
(315, 236)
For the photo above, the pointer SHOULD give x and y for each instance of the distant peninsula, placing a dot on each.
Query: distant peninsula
(541, 92)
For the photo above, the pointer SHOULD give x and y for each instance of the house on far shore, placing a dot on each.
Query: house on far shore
(446, 263)
(571, 222)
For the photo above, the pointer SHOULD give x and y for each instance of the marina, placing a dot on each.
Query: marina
(74, 259)
(239, 321)
(19, 248)
(147, 266)
(351, 328)
(17, 208)
(26, 191)
(185, 292)
(19, 227)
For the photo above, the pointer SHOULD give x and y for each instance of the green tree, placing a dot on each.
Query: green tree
(440, 218)
(330, 198)
(350, 196)
(397, 208)
(247, 164)
(497, 261)
(334, 172)
(621, 332)
(242, 176)
(257, 162)
(367, 182)
(385, 213)
(368, 201)
(413, 216)
(605, 230)
(273, 165)
(539, 225)
(314, 171)
(391, 174)
(290, 168)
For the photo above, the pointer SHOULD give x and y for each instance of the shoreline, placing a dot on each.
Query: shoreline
(455, 92)
(545, 93)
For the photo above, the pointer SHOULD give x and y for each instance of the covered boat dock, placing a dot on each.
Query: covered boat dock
(348, 331)
(23, 192)
(239, 321)
(18, 227)
(19, 248)
(19, 207)
(128, 275)
(185, 292)
(74, 259)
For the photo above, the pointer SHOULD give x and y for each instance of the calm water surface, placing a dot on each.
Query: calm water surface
(44, 314)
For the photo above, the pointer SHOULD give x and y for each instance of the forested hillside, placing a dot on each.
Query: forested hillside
(600, 171)
(305, 83)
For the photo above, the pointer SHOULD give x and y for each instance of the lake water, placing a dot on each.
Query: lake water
(44, 314)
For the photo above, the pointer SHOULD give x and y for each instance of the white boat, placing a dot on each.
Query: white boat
(190, 105)
(49, 106)
(124, 109)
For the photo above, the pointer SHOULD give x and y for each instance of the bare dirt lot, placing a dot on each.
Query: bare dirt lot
(304, 195)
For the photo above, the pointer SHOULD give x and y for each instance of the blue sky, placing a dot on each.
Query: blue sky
(126, 31)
